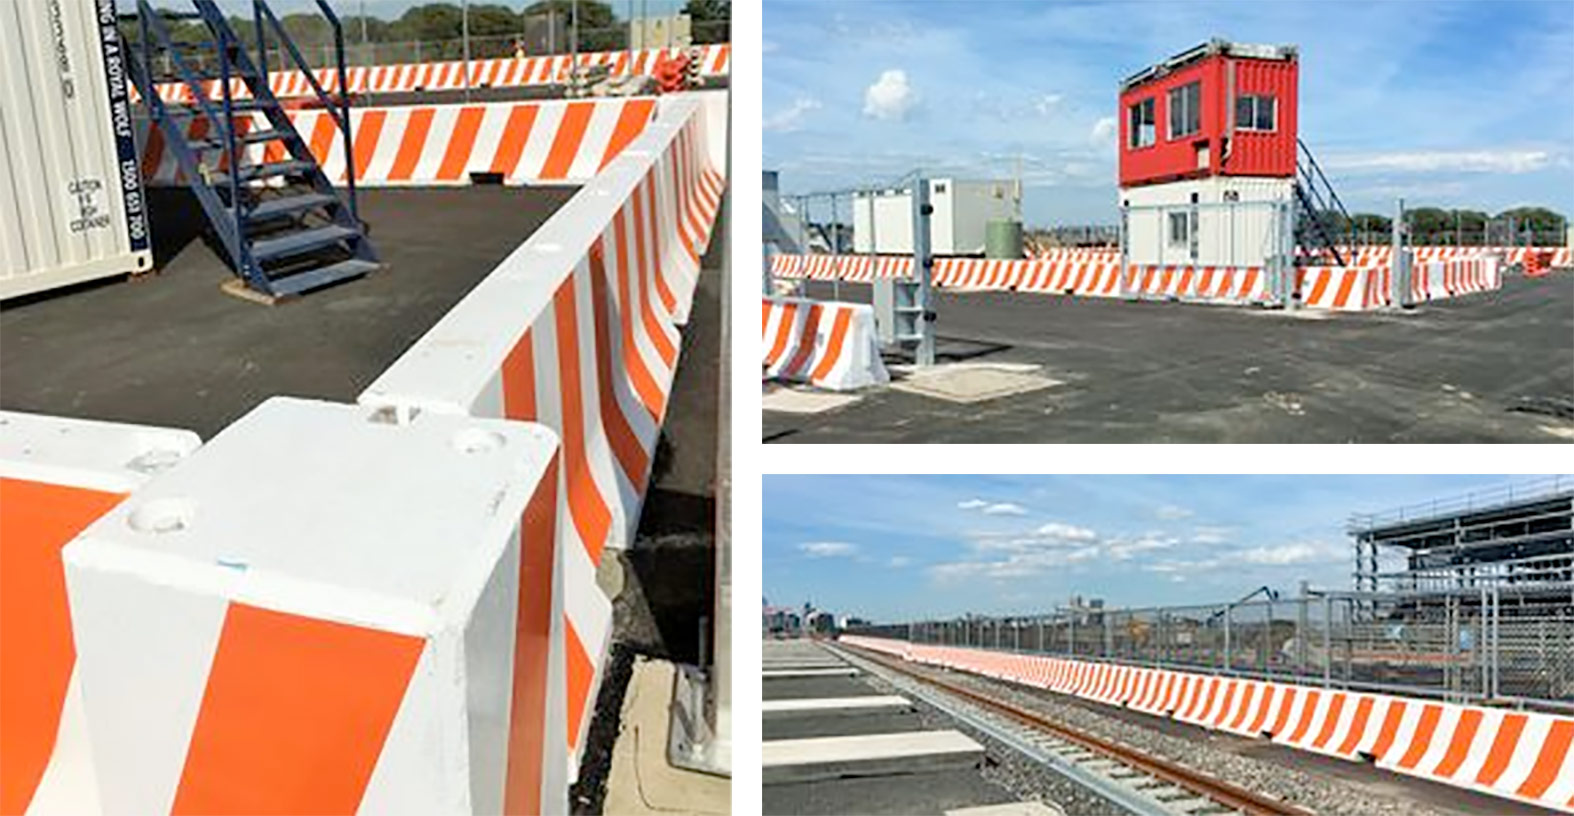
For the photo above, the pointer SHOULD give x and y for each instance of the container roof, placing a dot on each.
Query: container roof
(1286, 53)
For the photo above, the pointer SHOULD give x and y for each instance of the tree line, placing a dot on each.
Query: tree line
(599, 28)
(1436, 225)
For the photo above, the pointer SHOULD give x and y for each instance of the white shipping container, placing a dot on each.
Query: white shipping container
(1234, 224)
(883, 221)
(71, 200)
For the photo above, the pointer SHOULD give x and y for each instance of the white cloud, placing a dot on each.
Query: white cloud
(1171, 512)
(1047, 104)
(1430, 161)
(1122, 550)
(1210, 535)
(1005, 509)
(1296, 553)
(989, 508)
(899, 561)
(890, 97)
(1023, 564)
(827, 549)
(1103, 132)
(1069, 532)
(789, 119)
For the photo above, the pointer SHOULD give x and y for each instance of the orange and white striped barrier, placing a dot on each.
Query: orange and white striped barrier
(1097, 273)
(579, 329)
(1525, 756)
(57, 476)
(426, 145)
(292, 646)
(504, 72)
(824, 343)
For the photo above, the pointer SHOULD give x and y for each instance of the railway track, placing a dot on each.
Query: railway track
(1135, 780)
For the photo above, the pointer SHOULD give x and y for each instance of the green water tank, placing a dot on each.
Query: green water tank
(1003, 239)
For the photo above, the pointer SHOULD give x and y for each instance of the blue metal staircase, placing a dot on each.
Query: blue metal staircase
(1316, 240)
(284, 226)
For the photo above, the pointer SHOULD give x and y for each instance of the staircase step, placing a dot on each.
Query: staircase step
(248, 105)
(297, 243)
(321, 276)
(260, 136)
(275, 207)
(255, 172)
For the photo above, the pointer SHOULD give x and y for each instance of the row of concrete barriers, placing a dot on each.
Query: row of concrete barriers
(1099, 274)
(1526, 756)
(388, 607)
(515, 143)
(453, 75)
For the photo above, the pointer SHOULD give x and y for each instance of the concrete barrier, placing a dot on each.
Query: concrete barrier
(1526, 756)
(57, 476)
(504, 72)
(557, 142)
(579, 329)
(1097, 273)
(212, 664)
(824, 343)
(250, 647)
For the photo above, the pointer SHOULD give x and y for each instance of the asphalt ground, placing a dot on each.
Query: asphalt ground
(171, 349)
(1459, 370)
(907, 793)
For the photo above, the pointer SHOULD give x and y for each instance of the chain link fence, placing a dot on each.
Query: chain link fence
(1505, 643)
(536, 35)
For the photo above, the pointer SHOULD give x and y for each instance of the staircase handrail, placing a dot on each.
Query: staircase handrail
(151, 24)
(341, 113)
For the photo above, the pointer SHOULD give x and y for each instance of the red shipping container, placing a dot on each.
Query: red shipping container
(1220, 109)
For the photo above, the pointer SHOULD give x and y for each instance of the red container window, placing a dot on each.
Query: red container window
(1219, 109)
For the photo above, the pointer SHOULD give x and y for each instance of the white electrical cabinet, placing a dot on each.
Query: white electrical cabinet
(71, 199)
(883, 220)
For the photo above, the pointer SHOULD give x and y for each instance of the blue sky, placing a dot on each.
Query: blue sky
(1453, 104)
(897, 547)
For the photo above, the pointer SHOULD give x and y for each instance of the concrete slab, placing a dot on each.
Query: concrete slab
(1010, 809)
(797, 688)
(832, 705)
(641, 781)
(803, 401)
(784, 674)
(900, 795)
(864, 723)
(973, 382)
(801, 760)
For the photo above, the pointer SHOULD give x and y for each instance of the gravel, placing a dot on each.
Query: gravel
(1319, 794)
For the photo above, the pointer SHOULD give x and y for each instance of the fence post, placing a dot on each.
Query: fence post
(1228, 615)
(1328, 640)
(1399, 277)
(923, 267)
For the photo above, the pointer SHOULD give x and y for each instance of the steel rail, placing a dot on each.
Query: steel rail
(1217, 790)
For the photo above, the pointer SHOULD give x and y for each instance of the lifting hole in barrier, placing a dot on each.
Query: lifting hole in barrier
(393, 415)
(475, 440)
(486, 177)
(163, 516)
